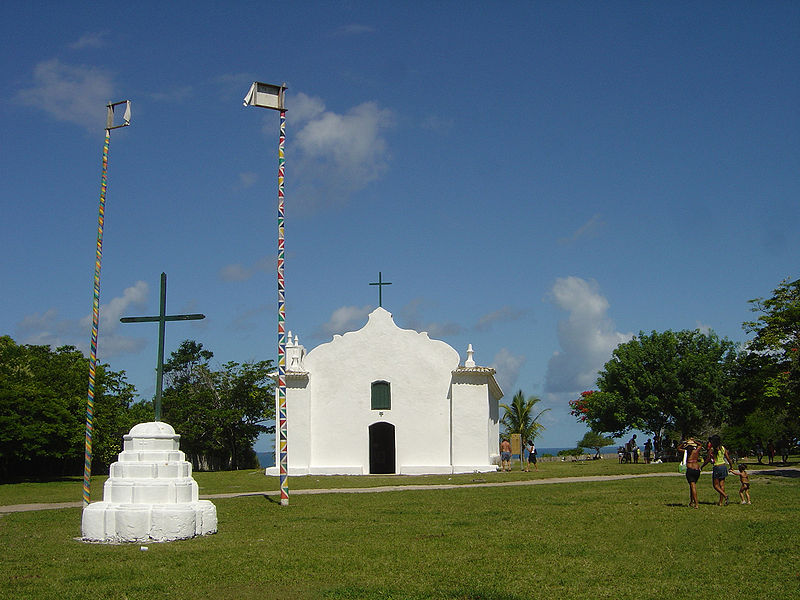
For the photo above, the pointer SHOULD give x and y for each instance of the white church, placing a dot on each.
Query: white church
(388, 400)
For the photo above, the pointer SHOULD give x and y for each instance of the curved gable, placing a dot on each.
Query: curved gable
(381, 344)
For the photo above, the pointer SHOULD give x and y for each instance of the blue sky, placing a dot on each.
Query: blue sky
(539, 179)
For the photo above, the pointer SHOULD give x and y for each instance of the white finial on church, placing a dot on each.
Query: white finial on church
(470, 361)
(294, 353)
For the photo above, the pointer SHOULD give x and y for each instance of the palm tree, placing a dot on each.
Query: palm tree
(518, 417)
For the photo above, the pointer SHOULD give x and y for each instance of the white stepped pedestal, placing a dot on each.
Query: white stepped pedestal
(150, 494)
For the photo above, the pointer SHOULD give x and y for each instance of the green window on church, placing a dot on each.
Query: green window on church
(381, 395)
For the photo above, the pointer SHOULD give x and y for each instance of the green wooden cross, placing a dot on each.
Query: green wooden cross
(380, 283)
(161, 319)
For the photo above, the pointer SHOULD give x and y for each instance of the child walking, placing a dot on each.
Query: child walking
(744, 479)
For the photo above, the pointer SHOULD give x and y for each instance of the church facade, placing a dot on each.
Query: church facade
(388, 400)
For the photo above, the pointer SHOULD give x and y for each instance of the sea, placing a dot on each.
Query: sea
(267, 459)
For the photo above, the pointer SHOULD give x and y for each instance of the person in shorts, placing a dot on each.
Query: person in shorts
(759, 451)
(505, 454)
(719, 456)
(693, 468)
(744, 480)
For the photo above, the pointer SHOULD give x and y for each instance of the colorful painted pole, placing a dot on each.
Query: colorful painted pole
(271, 96)
(87, 457)
(282, 425)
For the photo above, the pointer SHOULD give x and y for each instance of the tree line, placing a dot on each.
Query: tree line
(219, 413)
(679, 383)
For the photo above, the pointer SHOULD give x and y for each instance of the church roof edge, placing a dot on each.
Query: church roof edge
(495, 388)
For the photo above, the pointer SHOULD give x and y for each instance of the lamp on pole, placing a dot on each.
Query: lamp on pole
(270, 96)
(87, 459)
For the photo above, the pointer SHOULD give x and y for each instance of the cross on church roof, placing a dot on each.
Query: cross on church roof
(380, 283)
(161, 319)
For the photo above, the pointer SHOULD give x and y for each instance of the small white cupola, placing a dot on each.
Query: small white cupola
(470, 362)
(294, 353)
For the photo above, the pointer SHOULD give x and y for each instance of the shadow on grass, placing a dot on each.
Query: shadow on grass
(684, 505)
(354, 593)
(794, 473)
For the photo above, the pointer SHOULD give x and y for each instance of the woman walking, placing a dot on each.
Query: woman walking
(693, 467)
(532, 456)
(719, 456)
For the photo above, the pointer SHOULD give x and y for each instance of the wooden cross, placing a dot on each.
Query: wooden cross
(161, 319)
(380, 283)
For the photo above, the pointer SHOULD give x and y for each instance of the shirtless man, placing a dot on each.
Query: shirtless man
(505, 454)
(693, 467)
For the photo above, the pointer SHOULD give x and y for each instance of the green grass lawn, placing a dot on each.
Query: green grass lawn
(69, 489)
(630, 539)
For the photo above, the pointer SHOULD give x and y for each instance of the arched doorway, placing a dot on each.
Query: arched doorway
(381, 448)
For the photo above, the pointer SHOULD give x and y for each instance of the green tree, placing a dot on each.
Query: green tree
(768, 381)
(670, 381)
(518, 417)
(115, 413)
(592, 439)
(219, 414)
(43, 410)
(571, 452)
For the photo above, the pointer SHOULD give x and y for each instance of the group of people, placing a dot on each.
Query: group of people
(717, 454)
(505, 456)
(631, 453)
(772, 450)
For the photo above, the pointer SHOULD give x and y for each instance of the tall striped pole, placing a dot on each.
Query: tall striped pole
(87, 456)
(87, 445)
(283, 429)
(267, 95)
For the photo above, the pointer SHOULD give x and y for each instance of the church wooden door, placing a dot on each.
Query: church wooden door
(381, 448)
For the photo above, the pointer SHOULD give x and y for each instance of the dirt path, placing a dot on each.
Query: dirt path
(782, 472)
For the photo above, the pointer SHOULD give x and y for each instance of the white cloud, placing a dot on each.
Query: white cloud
(235, 272)
(75, 94)
(333, 155)
(703, 328)
(249, 320)
(90, 40)
(437, 124)
(343, 319)
(304, 109)
(48, 329)
(110, 344)
(438, 331)
(587, 337)
(240, 272)
(354, 29)
(231, 87)
(248, 179)
(507, 366)
(501, 315)
(173, 95)
(585, 231)
(411, 315)
(110, 313)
